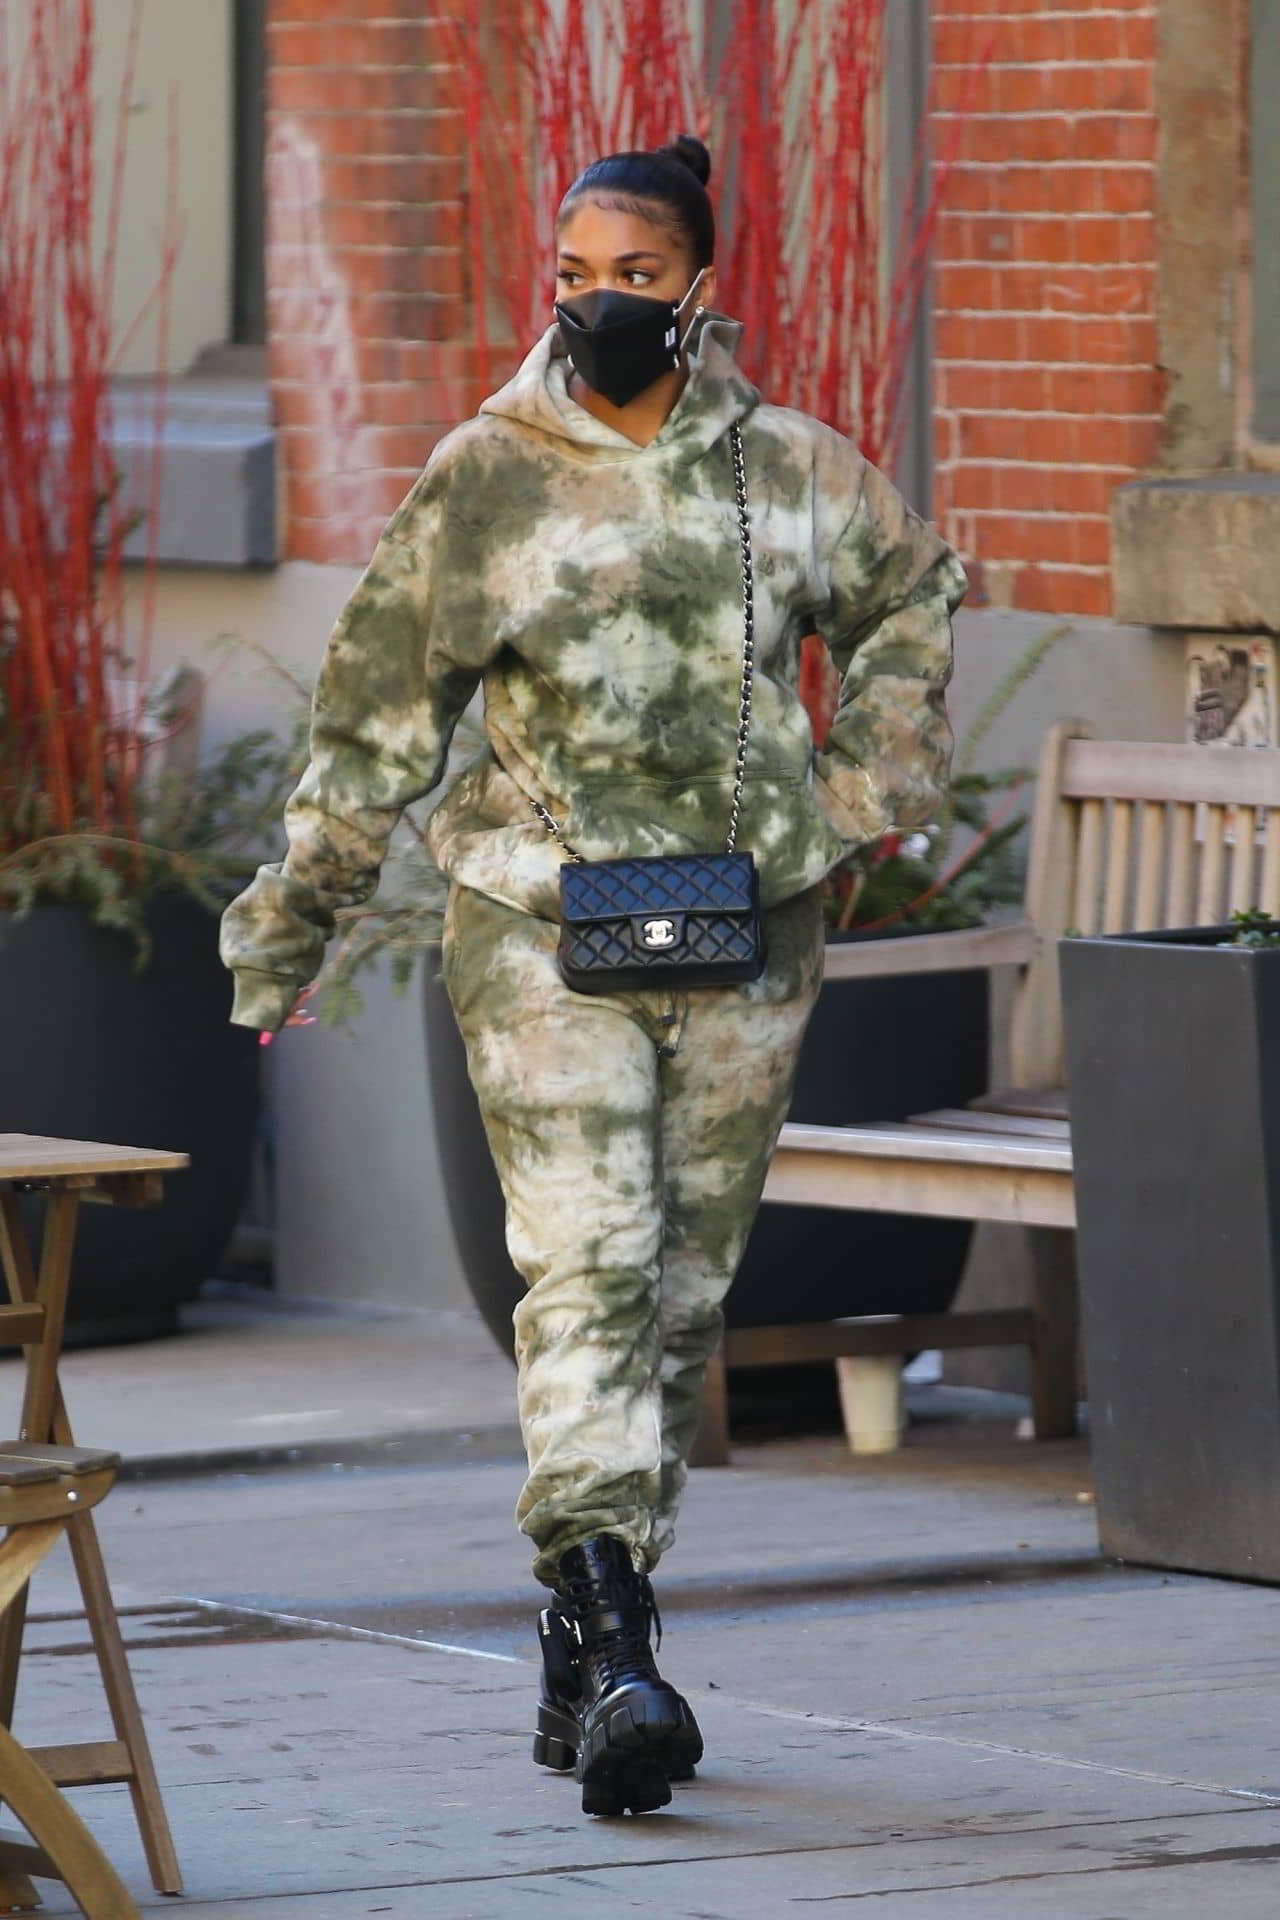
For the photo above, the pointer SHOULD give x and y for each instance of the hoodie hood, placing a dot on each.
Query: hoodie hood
(716, 394)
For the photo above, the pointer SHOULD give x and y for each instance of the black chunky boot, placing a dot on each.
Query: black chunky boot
(555, 1744)
(605, 1708)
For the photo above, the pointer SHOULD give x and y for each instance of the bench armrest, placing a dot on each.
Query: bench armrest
(931, 952)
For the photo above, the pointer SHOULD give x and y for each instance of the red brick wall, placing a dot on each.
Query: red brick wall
(366, 271)
(1047, 390)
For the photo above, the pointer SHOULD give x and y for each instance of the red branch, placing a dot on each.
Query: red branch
(792, 102)
(999, 818)
(69, 756)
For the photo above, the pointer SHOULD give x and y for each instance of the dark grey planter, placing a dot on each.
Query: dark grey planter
(875, 1050)
(94, 1050)
(473, 1197)
(1173, 1063)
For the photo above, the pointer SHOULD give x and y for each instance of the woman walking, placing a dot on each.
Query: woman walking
(625, 548)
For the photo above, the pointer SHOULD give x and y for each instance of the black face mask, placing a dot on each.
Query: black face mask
(621, 343)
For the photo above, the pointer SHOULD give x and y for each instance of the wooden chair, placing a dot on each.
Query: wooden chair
(1125, 836)
(61, 1174)
(42, 1489)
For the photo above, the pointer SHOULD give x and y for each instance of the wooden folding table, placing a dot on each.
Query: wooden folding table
(65, 1172)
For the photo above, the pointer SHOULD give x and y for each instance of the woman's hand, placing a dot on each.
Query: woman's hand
(299, 1017)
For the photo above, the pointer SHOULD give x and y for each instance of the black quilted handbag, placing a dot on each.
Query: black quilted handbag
(674, 920)
(692, 920)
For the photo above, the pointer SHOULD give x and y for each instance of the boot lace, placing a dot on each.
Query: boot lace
(626, 1653)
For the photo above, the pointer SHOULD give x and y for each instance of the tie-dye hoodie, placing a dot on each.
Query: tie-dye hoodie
(594, 588)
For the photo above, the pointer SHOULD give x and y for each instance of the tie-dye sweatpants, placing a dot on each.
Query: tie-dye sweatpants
(631, 1134)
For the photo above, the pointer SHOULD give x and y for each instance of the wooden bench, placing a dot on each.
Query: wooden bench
(1124, 836)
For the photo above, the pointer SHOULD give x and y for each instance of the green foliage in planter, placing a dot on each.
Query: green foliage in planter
(200, 833)
(1253, 928)
(905, 881)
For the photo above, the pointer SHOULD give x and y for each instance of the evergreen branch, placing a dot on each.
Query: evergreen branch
(36, 850)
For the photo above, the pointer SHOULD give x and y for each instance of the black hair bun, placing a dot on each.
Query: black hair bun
(690, 153)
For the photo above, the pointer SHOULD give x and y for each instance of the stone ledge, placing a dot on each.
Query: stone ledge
(1198, 551)
(216, 505)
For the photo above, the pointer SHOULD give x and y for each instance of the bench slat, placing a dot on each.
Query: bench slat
(963, 1190)
(930, 952)
(1164, 771)
(895, 1333)
(1037, 1103)
(1018, 1125)
(900, 1142)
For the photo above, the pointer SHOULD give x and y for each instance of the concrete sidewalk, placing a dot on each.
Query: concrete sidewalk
(250, 1381)
(923, 1692)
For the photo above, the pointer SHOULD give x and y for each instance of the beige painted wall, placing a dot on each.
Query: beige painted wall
(1127, 681)
(184, 51)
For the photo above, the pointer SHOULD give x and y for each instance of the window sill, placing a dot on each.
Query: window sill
(216, 504)
(1198, 551)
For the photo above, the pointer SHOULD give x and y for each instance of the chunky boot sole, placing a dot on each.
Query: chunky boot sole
(633, 1750)
(555, 1745)
(630, 1786)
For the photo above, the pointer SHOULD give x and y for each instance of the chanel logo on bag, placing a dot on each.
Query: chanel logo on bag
(659, 933)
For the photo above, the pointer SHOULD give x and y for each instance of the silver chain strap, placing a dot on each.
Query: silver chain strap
(748, 663)
(748, 635)
(552, 825)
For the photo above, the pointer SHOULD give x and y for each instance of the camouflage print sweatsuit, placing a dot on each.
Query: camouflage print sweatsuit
(592, 587)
